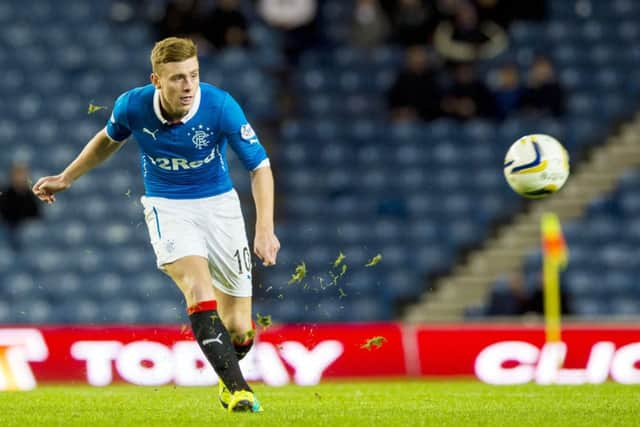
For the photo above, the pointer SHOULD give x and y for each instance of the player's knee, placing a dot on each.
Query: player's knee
(195, 289)
(242, 336)
(240, 329)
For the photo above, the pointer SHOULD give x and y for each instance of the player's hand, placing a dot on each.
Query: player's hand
(47, 186)
(266, 246)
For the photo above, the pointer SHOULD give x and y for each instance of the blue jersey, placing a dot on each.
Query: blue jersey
(186, 160)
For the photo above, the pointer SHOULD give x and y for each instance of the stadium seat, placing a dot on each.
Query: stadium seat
(369, 309)
(120, 311)
(19, 286)
(404, 285)
(78, 310)
(6, 316)
(64, 285)
(164, 311)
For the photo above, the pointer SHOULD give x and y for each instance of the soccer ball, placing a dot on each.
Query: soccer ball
(536, 166)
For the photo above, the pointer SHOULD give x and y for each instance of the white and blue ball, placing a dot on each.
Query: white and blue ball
(536, 166)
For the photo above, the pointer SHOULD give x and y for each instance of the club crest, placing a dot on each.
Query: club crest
(200, 136)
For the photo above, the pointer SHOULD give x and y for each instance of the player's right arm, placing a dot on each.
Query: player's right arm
(100, 148)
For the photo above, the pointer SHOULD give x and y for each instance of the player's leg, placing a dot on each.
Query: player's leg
(236, 316)
(181, 252)
(230, 267)
(191, 274)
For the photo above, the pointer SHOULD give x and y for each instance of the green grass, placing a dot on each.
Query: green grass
(406, 403)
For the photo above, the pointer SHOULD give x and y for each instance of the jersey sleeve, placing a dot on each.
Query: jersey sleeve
(118, 125)
(241, 136)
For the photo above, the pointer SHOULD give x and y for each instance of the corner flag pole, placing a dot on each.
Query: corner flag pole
(555, 258)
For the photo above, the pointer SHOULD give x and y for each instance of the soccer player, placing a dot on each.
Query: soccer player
(192, 212)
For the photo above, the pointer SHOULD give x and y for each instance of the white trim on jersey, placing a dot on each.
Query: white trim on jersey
(263, 164)
(106, 131)
(192, 111)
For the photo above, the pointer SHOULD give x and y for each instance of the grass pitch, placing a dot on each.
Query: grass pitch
(406, 403)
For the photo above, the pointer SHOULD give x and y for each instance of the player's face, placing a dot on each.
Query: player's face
(178, 83)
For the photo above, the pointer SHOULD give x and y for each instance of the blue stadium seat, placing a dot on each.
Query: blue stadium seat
(6, 316)
(351, 231)
(153, 284)
(582, 283)
(121, 311)
(619, 283)
(164, 311)
(78, 311)
(589, 307)
(59, 287)
(283, 311)
(625, 307)
(615, 256)
(36, 311)
(105, 286)
(19, 286)
(369, 309)
(362, 281)
(403, 284)
(328, 309)
(433, 258)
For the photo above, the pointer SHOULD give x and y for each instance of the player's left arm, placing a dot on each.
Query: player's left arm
(266, 244)
(253, 156)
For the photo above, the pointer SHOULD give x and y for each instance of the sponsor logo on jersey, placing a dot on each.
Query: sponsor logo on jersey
(178, 163)
(152, 133)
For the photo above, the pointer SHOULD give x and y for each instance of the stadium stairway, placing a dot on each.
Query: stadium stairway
(471, 280)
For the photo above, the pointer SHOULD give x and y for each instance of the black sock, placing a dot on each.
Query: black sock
(243, 348)
(215, 342)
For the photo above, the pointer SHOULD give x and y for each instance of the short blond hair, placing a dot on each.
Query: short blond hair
(172, 49)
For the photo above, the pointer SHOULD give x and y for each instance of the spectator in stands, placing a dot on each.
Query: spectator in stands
(499, 11)
(180, 19)
(226, 25)
(544, 94)
(510, 299)
(370, 25)
(415, 94)
(17, 203)
(466, 38)
(468, 97)
(528, 10)
(297, 19)
(516, 299)
(413, 21)
(508, 91)
(535, 300)
(446, 10)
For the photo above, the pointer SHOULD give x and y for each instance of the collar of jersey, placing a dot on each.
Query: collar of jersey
(192, 111)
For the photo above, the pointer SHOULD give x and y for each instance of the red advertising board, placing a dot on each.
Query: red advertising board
(509, 354)
(304, 354)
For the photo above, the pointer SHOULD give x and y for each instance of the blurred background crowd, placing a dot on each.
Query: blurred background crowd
(386, 122)
(441, 43)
